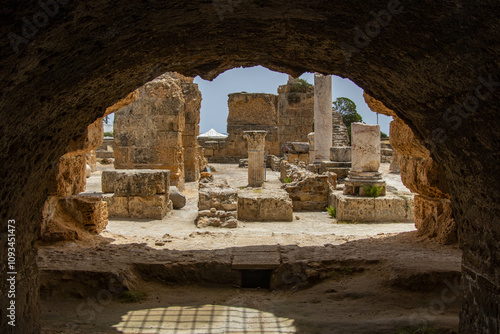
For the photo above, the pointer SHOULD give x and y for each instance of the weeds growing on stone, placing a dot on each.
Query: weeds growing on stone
(332, 211)
(373, 191)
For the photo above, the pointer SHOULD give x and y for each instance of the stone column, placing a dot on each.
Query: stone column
(365, 160)
(322, 117)
(256, 145)
(310, 138)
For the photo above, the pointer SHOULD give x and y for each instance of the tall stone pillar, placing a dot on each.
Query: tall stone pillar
(256, 146)
(365, 160)
(322, 117)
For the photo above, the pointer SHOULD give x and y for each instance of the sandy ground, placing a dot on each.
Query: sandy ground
(342, 278)
(308, 228)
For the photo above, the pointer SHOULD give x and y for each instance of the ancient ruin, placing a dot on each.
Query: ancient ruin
(322, 117)
(286, 117)
(159, 129)
(365, 152)
(433, 63)
(420, 173)
(256, 168)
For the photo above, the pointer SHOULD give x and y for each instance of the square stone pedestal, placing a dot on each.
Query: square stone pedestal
(260, 205)
(137, 193)
(390, 208)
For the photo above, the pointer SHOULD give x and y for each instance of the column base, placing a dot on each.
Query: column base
(357, 181)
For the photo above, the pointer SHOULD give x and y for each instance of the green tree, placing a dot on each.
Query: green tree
(348, 110)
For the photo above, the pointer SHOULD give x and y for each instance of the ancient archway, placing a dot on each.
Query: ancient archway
(435, 64)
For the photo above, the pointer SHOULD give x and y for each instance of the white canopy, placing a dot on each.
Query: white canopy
(212, 134)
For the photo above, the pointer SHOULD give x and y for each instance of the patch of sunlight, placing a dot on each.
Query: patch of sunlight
(211, 319)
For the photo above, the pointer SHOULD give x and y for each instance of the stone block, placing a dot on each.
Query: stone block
(340, 154)
(91, 212)
(390, 208)
(151, 207)
(178, 199)
(264, 205)
(136, 182)
(295, 147)
(218, 198)
(72, 218)
(117, 206)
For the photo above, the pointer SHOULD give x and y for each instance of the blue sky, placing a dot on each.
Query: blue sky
(258, 79)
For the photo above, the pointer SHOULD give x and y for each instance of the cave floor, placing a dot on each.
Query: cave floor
(328, 277)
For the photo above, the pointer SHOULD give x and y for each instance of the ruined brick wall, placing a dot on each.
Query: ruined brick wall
(295, 114)
(148, 134)
(192, 156)
(287, 117)
(251, 111)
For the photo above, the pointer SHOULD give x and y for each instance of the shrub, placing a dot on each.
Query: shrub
(332, 211)
(373, 191)
(301, 86)
(108, 134)
(383, 135)
(287, 180)
(293, 98)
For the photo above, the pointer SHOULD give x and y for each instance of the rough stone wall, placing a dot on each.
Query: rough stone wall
(89, 55)
(150, 133)
(66, 216)
(308, 191)
(192, 157)
(217, 205)
(422, 175)
(340, 136)
(287, 117)
(295, 113)
(251, 111)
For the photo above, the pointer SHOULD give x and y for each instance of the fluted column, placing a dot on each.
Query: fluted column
(256, 144)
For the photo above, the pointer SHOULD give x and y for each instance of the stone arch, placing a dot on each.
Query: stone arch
(434, 63)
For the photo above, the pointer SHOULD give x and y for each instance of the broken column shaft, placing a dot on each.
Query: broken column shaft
(365, 160)
(256, 145)
(322, 117)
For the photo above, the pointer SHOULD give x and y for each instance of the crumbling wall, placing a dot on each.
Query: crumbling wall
(66, 215)
(308, 191)
(422, 175)
(340, 135)
(287, 117)
(251, 112)
(148, 132)
(295, 112)
(193, 160)
(217, 204)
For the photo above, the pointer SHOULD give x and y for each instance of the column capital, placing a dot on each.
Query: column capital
(256, 140)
